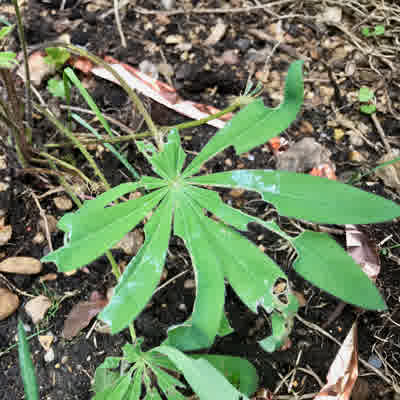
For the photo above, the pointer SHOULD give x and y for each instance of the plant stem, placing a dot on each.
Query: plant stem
(76, 142)
(27, 73)
(125, 138)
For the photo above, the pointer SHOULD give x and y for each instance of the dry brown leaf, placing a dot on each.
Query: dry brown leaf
(21, 265)
(9, 302)
(217, 33)
(37, 307)
(343, 372)
(82, 313)
(46, 341)
(391, 173)
(38, 67)
(363, 251)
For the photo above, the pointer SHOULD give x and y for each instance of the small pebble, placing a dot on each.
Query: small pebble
(49, 355)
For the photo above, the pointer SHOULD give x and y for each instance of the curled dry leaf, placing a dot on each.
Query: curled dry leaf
(159, 91)
(38, 67)
(363, 251)
(343, 372)
(217, 33)
(390, 174)
(82, 313)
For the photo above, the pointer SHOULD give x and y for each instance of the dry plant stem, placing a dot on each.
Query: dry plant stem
(76, 142)
(21, 35)
(118, 22)
(362, 361)
(381, 132)
(130, 137)
(14, 114)
(63, 164)
(46, 224)
(131, 93)
(12, 287)
(215, 10)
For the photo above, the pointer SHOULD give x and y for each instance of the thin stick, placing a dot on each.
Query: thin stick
(46, 223)
(118, 22)
(381, 132)
(362, 361)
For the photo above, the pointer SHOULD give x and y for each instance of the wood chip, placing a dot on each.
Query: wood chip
(9, 302)
(37, 307)
(21, 265)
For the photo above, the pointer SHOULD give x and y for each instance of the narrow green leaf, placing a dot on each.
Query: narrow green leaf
(255, 124)
(279, 333)
(136, 389)
(308, 197)
(239, 372)
(26, 365)
(91, 231)
(168, 383)
(194, 228)
(224, 327)
(368, 108)
(103, 379)
(85, 94)
(108, 146)
(251, 273)
(168, 163)
(56, 87)
(143, 273)
(121, 388)
(326, 265)
(207, 382)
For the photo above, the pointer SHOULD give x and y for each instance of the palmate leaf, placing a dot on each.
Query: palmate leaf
(255, 124)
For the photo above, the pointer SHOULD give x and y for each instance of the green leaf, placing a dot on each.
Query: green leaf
(308, 197)
(103, 379)
(93, 229)
(279, 333)
(57, 56)
(26, 365)
(143, 273)
(379, 30)
(108, 146)
(366, 31)
(5, 30)
(206, 381)
(368, 108)
(326, 265)
(224, 327)
(239, 372)
(7, 59)
(136, 387)
(255, 124)
(168, 163)
(121, 388)
(168, 383)
(365, 94)
(195, 229)
(56, 87)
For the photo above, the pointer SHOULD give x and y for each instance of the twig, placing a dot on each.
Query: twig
(381, 132)
(11, 286)
(335, 314)
(118, 22)
(46, 223)
(362, 361)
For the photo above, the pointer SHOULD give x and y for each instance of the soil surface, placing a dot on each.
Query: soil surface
(257, 42)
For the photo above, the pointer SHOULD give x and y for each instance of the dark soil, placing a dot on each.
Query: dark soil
(199, 77)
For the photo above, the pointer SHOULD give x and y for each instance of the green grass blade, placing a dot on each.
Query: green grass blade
(26, 365)
(108, 146)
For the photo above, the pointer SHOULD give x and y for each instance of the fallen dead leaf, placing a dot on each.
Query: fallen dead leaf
(217, 33)
(9, 302)
(37, 307)
(390, 174)
(82, 313)
(343, 372)
(131, 242)
(363, 251)
(303, 156)
(21, 265)
(48, 277)
(38, 68)
(46, 341)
